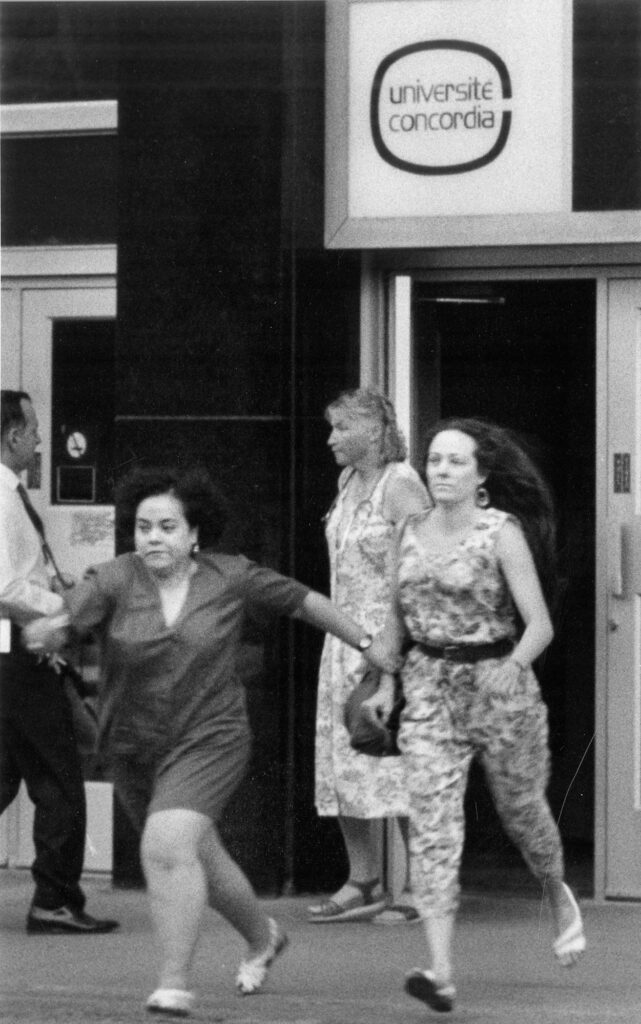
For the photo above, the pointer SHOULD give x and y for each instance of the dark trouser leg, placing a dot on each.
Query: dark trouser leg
(10, 777)
(37, 735)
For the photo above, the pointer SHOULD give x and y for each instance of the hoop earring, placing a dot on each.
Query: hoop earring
(482, 497)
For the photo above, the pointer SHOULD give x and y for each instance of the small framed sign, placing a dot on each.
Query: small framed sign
(622, 473)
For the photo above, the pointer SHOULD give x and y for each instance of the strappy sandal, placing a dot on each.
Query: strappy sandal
(424, 986)
(174, 1002)
(356, 908)
(571, 943)
(252, 973)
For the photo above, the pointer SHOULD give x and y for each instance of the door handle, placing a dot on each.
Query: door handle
(631, 537)
(615, 558)
(624, 557)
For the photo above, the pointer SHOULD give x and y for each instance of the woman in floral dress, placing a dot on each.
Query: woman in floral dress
(376, 490)
(472, 573)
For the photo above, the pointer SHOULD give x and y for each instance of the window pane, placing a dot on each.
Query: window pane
(59, 191)
(82, 435)
(607, 105)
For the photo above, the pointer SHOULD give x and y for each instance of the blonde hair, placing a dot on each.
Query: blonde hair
(371, 403)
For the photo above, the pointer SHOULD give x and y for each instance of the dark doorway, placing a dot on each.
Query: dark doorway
(523, 354)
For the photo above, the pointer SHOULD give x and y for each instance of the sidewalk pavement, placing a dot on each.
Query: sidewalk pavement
(330, 974)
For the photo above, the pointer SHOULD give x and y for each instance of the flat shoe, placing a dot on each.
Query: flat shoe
(174, 1002)
(252, 973)
(360, 907)
(569, 946)
(423, 985)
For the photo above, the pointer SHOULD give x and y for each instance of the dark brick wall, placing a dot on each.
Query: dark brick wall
(234, 330)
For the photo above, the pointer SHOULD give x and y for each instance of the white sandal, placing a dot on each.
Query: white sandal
(571, 943)
(252, 973)
(176, 1002)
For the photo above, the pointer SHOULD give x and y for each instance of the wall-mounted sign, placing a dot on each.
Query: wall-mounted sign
(457, 106)
(439, 111)
(75, 484)
(622, 476)
(441, 107)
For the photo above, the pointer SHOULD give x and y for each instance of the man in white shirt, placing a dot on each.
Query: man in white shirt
(37, 741)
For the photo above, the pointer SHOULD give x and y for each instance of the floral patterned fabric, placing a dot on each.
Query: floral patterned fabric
(361, 545)
(459, 597)
(457, 711)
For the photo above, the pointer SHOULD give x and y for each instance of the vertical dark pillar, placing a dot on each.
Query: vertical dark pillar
(234, 329)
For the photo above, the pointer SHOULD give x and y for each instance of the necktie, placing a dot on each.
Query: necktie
(68, 671)
(30, 510)
(37, 522)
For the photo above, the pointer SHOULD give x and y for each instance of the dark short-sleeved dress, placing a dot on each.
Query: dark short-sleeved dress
(173, 723)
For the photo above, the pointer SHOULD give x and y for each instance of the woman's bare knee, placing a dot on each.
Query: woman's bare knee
(171, 838)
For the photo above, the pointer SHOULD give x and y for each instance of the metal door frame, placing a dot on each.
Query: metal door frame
(28, 270)
(386, 295)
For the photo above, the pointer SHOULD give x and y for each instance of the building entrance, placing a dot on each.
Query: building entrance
(59, 334)
(522, 353)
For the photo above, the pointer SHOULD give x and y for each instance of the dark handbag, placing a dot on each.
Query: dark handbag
(375, 740)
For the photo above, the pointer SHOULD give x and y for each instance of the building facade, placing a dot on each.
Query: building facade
(200, 250)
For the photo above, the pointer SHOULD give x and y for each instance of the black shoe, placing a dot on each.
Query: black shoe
(424, 986)
(66, 921)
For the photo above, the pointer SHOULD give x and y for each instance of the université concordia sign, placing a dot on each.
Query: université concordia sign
(441, 107)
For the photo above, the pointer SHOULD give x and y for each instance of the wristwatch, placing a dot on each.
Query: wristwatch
(365, 643)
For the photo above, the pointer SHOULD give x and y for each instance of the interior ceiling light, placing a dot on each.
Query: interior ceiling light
(490, 300)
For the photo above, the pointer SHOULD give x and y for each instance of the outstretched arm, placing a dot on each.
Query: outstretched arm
(87, 604)
(48, 634)
(319, 611)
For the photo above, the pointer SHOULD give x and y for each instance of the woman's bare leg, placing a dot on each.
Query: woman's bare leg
(177, 888)
(231, 893)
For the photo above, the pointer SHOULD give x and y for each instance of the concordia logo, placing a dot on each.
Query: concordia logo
(439, 107)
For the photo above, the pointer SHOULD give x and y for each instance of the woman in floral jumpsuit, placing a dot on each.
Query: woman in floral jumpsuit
(470, 598)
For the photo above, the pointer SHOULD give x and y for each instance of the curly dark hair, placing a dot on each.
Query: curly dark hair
(514, 485)
(203, 504)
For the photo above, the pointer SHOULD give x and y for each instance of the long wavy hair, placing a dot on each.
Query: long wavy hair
(371, 403)
(514, 485)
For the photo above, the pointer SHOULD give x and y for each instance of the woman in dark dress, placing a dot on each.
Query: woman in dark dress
(173, 724)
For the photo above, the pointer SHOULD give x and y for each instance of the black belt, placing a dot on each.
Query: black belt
(468, 654)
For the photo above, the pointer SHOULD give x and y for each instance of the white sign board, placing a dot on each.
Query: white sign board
(448, 124)
(458, 107)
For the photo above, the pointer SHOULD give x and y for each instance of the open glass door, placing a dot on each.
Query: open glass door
(67, 367)
(521, 352)
(59, 342)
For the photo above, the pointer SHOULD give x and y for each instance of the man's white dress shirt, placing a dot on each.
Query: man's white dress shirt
(25, 584)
